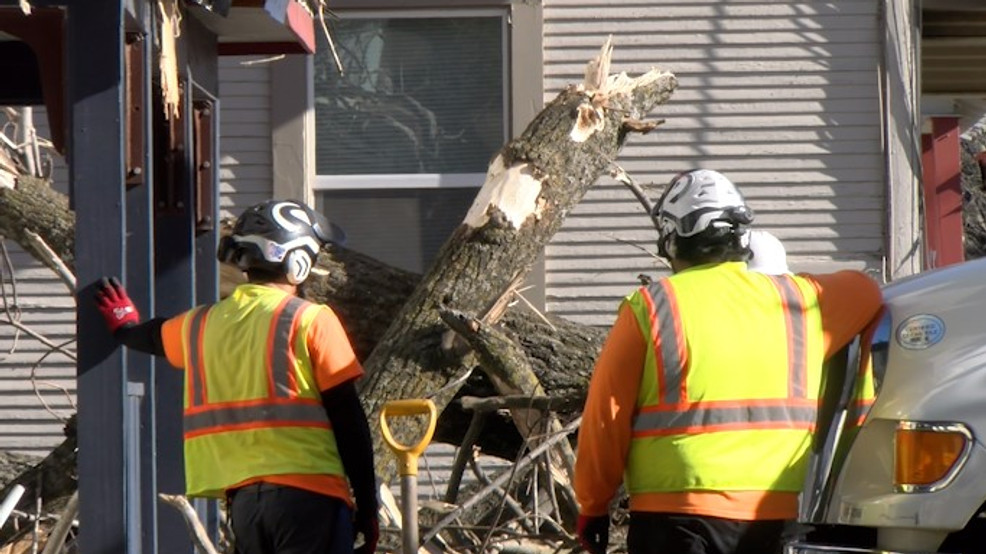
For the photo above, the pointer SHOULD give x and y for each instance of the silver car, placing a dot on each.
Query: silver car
(906, 474)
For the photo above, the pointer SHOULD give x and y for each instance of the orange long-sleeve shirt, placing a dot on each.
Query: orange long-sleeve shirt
(848, 300)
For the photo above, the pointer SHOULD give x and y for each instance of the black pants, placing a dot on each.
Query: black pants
(657, 533)
(274, 519)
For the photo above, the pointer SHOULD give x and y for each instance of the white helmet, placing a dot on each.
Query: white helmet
(768, 254)
(698, 201)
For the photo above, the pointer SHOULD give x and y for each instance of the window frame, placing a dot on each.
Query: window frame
(525, 68)
(390, 181)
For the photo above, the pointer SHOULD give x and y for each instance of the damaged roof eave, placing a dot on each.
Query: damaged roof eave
(261, 27)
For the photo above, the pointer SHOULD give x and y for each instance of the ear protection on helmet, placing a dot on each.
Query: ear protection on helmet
(297, 266)
(665, 245)
(281, 236)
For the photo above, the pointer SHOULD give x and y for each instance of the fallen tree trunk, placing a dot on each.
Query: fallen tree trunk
(531, 185)
(368, 294)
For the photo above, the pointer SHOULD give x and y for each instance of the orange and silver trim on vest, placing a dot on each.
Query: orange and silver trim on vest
(282, 407)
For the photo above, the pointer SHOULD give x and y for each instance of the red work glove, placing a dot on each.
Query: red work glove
(369, 527)
(593, 532)
(117, 308)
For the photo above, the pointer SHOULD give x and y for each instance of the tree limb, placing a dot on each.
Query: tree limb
(195, 529)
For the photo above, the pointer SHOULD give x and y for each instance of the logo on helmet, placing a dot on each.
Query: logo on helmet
(289, 216)
(275, 251)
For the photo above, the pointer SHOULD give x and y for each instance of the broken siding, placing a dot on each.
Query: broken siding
(245, 175)
(37, 383)
(782, 97)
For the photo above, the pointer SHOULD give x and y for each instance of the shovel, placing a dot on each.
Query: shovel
(407, 461)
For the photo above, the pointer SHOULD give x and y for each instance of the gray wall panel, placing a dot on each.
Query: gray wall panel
(783, 98)
(245, 175)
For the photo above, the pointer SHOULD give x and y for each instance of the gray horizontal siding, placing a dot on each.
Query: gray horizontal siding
(781, 97)
(37, 386)
(245, 175)
(435, 469)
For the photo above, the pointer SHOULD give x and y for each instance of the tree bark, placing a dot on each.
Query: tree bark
(531, 185)
(367, 295)
(34, 206)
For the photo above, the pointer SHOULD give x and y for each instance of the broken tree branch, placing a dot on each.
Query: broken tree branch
(34, 206)
(501, 479)
(570, 403)
(507, 366)
(199, 536)
(56, 539)
(48, 257)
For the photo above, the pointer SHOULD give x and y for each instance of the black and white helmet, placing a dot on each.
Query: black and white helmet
(700, 202)
(281, 236)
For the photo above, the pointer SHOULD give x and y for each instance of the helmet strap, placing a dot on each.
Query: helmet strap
(665, 246)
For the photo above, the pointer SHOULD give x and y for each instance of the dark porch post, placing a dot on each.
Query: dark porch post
(96, 169)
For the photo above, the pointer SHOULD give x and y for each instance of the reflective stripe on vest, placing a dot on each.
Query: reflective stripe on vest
(797, 335)
(246, 417)
(281, 407)
(196, 377)
(713, 417)
(674, 414)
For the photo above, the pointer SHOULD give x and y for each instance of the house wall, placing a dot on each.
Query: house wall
(37, 384)
(245, 173)
(782, 97)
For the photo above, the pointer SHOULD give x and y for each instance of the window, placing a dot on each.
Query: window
(405, 134)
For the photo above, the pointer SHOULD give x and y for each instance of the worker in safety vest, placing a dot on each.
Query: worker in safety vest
(272, 420)
(703, 398)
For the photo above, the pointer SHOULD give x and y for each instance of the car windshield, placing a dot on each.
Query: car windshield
(880, 349)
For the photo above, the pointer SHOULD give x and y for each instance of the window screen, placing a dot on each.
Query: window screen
(404, 228)
(419, 95)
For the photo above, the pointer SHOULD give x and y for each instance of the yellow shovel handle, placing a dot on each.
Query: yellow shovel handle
(407, 455)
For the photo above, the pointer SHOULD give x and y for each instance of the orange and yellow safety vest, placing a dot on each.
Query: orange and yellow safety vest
(722, 409)
(252, 406)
